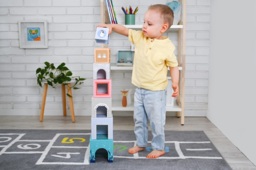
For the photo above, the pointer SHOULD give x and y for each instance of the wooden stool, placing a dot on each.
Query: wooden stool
(71, 104)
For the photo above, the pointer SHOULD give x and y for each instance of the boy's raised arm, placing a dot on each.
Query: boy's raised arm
(120, 29)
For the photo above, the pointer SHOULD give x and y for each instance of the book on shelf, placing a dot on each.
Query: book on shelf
(111, 11)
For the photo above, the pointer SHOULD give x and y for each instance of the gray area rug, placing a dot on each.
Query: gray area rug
(67, 149)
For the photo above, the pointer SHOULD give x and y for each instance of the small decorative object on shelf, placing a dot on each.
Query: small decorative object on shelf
(124, 97)
(130, 15)
(125, 58)
(53, 75)
(175, 5)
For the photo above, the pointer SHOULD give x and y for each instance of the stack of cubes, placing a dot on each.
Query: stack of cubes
(102, 118)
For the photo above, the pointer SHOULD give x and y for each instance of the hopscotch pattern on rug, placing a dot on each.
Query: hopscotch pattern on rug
(63, 148)
(72, 149)
(179, 150)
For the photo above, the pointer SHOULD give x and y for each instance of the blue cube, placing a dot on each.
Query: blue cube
(101, 35)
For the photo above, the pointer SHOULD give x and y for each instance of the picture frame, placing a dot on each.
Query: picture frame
(125, 58)
(33, 34)
(176, 7)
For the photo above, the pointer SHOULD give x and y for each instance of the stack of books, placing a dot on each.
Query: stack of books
(111, 12)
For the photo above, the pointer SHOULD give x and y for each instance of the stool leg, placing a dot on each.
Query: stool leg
(64, 100)
(43, 102)
(71, 104)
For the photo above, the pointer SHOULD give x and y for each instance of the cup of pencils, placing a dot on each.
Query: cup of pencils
(130, 15)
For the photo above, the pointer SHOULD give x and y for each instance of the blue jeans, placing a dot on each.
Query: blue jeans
(150, 106)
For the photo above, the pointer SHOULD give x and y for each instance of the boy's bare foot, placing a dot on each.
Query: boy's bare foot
(135, 149)
(155, 154)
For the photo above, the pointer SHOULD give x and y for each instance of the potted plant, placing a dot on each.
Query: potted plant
(57, 75)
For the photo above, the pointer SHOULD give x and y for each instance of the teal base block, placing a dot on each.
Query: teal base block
(106, 144)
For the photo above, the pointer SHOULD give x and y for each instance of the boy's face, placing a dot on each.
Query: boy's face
(154, 25)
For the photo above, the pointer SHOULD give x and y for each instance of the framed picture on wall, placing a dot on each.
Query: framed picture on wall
(33, 34)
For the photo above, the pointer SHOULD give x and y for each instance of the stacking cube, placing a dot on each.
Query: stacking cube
(102, 128)
(102, 55)
(107, 144)
(101, 71)
(102, 88)
(101, 35)
(101, 107)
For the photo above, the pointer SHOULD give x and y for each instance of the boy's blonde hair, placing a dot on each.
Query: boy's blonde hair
(165, 11)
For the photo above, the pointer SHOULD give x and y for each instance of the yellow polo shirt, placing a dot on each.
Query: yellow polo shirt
(152, 58)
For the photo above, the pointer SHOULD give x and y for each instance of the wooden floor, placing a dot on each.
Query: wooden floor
(233, 156)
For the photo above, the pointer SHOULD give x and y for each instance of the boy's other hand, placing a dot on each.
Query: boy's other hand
(175, 90)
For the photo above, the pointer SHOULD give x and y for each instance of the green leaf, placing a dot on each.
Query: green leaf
(61, 66)
(69, 73)
(47, 64)
(39, 82)
(59, 80)
(51, 75)
(40, 76)
(43, 71)
(69, 95)
(38, 70)
(67, 79)
(52, 66)
(50, 83)
(64, 69)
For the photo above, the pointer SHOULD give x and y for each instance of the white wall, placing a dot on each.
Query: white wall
(232, 82)
(197, 57)
(71, 31)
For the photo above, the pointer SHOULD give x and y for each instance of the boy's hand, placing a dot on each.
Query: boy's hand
(174, 72)
(120, 29)
(106, 26)
(175, 88)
